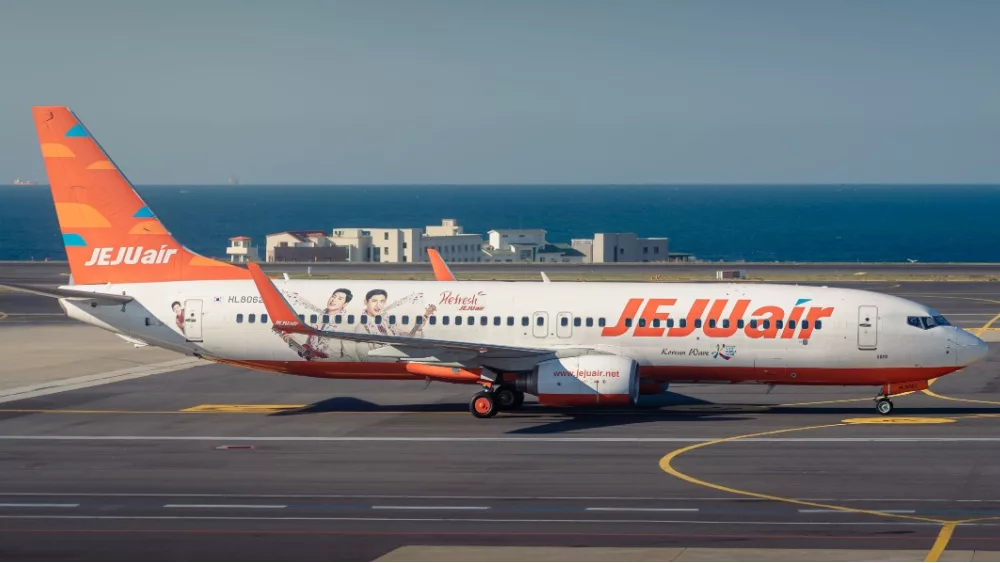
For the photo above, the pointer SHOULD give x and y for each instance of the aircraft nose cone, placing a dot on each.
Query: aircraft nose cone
(973, 349)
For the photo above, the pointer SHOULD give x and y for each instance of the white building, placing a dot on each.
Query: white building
(526, 245)
(241, 251)
(623, 247)
(378, 244)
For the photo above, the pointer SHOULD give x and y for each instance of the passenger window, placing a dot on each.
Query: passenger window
(819, 324)
(642, 322)
(656, 323)
(338, 319)
(496, 321)
(791, 323)
(777, 324)
(302, 318)
(471, 321)
(445, 319)
(600, 322)
(392, 319)
(711, 323)
(563, 321)
(263, 318)
(350, 319)
(590, 321)
(683, 323)
(364, 319)
(740, 323)
(539, 321)
(326, 319)
(805, 324)
(725, 323)
(239, 318)
(458, 320)
(577, 321)
(406, 320)
(524, 321)
(628, 321)
(767, 324)
(418, 320)
(251, 318)
(670, 323)
(753, 323)
(697, 323)
(312, 319)
(510, 321)
(485, 320)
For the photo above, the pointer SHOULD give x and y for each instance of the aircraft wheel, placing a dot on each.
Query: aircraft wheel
(883, 406)
(508, 399)
(482, 405)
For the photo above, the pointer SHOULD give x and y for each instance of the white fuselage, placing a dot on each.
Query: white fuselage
(675, 332)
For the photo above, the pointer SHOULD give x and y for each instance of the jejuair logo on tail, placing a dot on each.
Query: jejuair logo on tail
(130, 255)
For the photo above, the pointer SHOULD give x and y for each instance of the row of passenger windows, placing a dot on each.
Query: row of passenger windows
(540, 321)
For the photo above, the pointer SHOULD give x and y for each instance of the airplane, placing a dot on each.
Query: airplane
(569, 344)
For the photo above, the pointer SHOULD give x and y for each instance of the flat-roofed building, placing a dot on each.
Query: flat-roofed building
(623, 247)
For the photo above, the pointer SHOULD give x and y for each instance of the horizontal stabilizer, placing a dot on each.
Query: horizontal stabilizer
(70, 293)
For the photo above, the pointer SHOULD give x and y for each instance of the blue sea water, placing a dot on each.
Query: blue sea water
(754, 223)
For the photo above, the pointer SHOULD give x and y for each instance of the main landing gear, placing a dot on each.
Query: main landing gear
(487, 403)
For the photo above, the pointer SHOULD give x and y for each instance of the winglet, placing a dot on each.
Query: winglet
(545, 279)
(283, 317)
(441, 270)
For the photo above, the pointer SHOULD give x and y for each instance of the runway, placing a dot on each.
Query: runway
(54, 273)
(215, 462)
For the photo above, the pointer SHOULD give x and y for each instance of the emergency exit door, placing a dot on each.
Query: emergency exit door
(867, 327)
(192, 320)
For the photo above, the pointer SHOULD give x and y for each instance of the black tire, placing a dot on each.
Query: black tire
(884, 407)
(518, 400)
(482, 405)
(506, 398)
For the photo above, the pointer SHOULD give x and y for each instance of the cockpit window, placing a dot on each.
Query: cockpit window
(927, 322)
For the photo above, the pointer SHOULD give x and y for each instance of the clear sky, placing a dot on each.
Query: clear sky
(511, 91)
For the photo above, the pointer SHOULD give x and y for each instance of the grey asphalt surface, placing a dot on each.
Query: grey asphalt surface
(352, 469)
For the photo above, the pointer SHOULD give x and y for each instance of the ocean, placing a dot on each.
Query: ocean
(825, 223)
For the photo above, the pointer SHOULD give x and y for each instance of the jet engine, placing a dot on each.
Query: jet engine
(583, 381)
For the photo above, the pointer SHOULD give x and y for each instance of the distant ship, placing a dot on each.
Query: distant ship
(20, 182)
(233, 180)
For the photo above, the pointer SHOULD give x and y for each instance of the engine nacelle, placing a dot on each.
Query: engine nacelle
(583, 381)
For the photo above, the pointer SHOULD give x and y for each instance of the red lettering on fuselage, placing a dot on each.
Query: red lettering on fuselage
(768, 321)
(629, 312)
(697, 310)
(650, 313)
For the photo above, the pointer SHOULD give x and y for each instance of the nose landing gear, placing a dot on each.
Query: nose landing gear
(883, 405)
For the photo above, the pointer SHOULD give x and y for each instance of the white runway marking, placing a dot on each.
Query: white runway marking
(849, 511)
(521, 439)
(604, 522)
(36, 505)
(52, 387)
(638, 509)
(430, 508)
(225, 506)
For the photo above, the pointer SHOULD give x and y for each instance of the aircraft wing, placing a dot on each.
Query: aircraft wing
(284, 319)
(68, 292)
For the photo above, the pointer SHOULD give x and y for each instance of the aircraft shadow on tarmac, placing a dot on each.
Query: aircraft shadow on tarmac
(669, 406)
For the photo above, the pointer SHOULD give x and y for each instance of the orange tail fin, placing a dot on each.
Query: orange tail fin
(111, 236)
